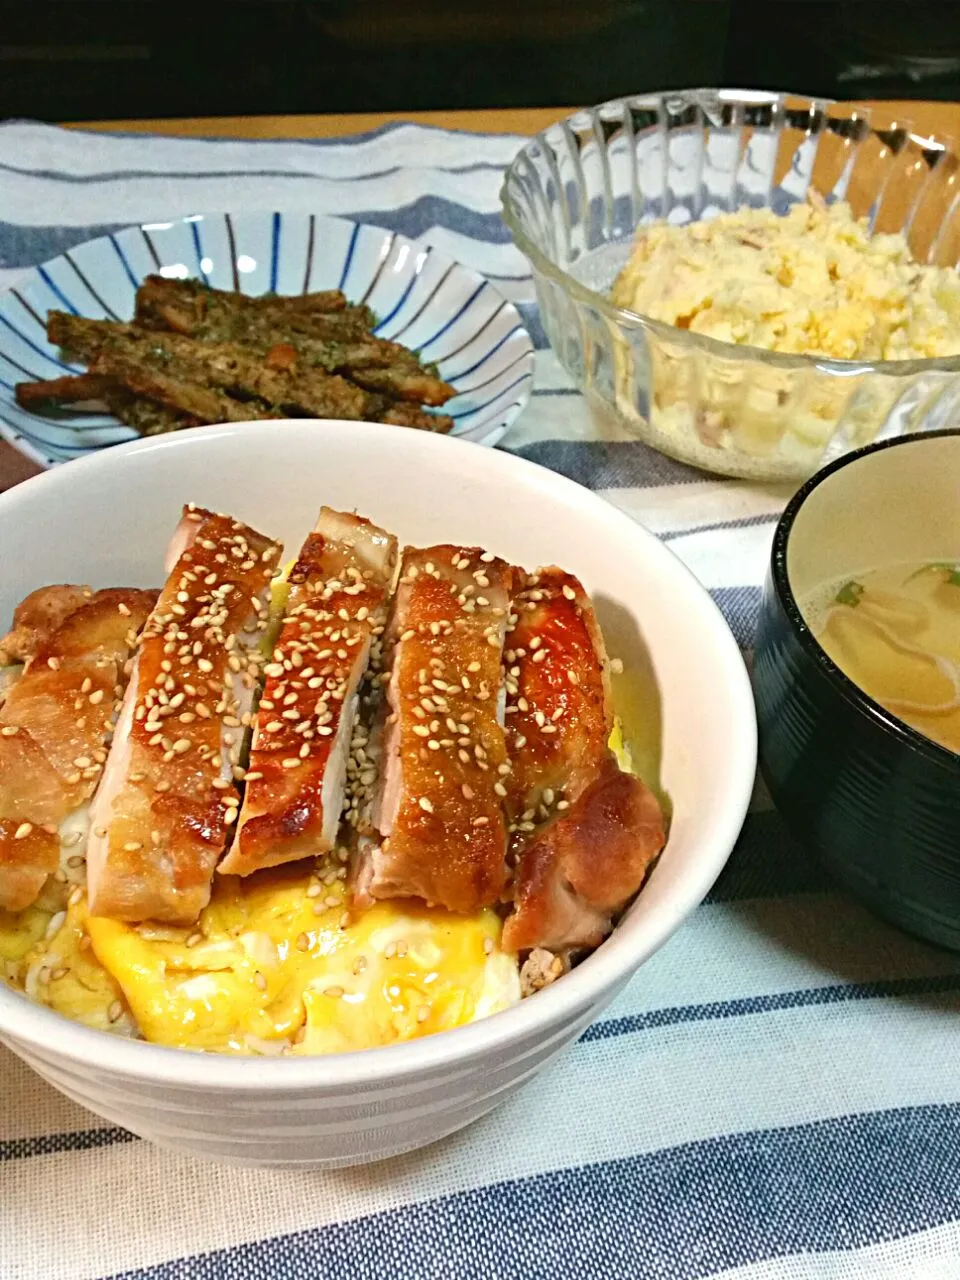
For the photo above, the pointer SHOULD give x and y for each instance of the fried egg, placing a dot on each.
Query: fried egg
(278, 963)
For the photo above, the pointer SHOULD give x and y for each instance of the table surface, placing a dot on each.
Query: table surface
(927, 117)
(809, 1051)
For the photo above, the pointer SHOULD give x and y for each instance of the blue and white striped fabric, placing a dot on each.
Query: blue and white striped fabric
(774, 1097)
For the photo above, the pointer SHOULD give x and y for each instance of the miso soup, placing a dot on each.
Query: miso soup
(895, 632)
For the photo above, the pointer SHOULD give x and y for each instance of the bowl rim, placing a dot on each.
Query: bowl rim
(629, 319)
(886, 721)
(54, 1037)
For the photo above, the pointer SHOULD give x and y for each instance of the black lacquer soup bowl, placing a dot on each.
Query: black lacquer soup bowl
(874, 800)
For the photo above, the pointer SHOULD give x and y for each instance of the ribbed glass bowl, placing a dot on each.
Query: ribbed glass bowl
(575, 195)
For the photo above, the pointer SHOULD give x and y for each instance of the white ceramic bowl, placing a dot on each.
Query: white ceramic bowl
(106, 520)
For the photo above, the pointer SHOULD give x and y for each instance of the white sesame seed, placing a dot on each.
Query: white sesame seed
(23, 831)
(425, 805)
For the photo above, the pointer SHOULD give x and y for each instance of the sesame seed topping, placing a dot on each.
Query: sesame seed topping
(23, 831)
(425, 804)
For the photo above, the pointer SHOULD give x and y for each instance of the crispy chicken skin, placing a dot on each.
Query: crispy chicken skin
(559, 712)
(160, 819)
(584, 867)
(439, 813)
(37, 616)
(336, 610)
(55, 721)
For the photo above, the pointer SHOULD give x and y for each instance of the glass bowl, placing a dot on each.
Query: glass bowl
(575, 195)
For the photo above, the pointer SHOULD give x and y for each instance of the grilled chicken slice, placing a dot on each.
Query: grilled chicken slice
(37, 617)
(161, 816)
(559, 711)
(335, 613)
(603, 827)
(582, 869)
(55, 721)
(439, 816)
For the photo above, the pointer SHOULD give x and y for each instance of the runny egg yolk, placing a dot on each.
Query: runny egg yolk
(273, 966)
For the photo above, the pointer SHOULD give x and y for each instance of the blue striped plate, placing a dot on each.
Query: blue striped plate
(449, 313)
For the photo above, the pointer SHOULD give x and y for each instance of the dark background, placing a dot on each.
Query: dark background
(111, 60)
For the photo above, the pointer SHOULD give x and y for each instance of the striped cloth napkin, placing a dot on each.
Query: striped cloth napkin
(774, 1096)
